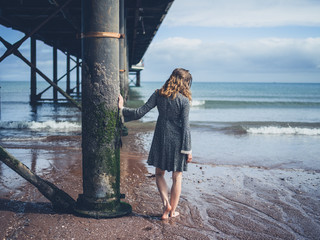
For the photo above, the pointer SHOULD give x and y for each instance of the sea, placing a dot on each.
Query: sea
(266, 125)
(255, 172)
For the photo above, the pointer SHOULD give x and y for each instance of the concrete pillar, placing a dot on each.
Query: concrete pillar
(100, 120)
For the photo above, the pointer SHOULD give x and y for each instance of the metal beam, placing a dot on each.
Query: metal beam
(19, 55)
(122, 71)
(138, 79)
(39, 94)
(55, 72)
(68, 73)
(78, 76)
(134, 38)
(18, 44)
(66, 15)
(33, 77)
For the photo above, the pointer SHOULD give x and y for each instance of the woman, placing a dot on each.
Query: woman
(171, 144)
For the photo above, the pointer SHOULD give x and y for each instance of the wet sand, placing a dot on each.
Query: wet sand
(217, 202)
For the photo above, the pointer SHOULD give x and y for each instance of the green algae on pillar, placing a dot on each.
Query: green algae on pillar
(100, 131)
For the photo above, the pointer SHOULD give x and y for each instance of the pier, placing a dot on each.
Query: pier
(58, 24)
(107, 40)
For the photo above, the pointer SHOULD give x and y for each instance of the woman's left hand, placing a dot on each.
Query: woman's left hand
(189, 157)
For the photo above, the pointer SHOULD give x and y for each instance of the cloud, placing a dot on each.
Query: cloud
(268, 55)
(244, 13)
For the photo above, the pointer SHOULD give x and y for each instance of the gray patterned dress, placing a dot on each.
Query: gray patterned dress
(171, 140)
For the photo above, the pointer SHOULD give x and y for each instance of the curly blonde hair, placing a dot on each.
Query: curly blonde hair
(179, 81)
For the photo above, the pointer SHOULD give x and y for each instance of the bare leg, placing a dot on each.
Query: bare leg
(163, 190)
(175, 192)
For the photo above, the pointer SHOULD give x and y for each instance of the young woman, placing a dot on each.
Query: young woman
(171, 144)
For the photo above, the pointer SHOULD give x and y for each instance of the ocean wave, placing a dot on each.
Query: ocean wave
(198, 103)
(284, 131)
(267, 128)
(40, 126)
(23, 139)
(255, 104)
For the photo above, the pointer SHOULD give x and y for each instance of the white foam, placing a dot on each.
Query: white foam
(198, 103)
(40, 126)
(17, 139)
(285, 131)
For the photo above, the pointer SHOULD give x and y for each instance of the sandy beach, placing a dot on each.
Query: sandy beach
(217, 202)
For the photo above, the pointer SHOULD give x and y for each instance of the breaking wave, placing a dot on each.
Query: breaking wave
(255, 104)
(196, 103)
(263, 128)
(284, 131)
(51, 126)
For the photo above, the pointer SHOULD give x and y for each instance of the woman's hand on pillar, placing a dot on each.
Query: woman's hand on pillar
(120, 101)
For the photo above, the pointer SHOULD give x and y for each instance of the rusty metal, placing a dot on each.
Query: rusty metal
(101, 35)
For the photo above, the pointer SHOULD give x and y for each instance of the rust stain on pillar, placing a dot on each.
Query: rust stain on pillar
(100, 90)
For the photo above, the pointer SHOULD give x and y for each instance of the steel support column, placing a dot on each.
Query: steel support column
(33, 73)
(127, 59)
(122, 51)
(100, 119)
(71, 90)
(68, 90)
(19, 55)
(138, 79)
(78, 77)
(121, 46)
(55, 73)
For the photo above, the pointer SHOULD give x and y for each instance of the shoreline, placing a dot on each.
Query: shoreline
(217, 201)
(26, 214)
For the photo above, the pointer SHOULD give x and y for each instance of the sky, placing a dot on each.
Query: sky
(238, 41)
(217, 41)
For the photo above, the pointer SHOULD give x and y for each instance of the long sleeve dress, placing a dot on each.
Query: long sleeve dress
(171, 140)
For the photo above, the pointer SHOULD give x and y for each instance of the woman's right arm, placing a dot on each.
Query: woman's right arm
(131, 114)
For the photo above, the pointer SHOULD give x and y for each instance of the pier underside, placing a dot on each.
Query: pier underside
(58, 23)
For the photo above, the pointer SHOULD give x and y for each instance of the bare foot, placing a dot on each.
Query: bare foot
(175, 214)
(166, 212)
